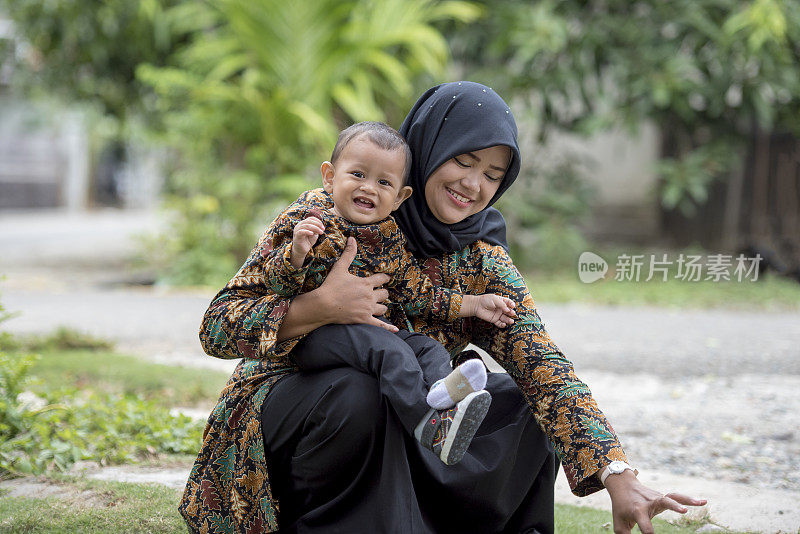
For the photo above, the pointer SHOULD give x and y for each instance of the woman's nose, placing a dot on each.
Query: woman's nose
(471, 181)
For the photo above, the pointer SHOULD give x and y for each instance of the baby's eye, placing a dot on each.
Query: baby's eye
(460, 163)
(385, 182)
(357, 174)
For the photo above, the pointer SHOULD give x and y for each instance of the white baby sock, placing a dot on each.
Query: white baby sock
(468, 377)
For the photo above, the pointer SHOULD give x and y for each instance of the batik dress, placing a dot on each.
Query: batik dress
(228, 488)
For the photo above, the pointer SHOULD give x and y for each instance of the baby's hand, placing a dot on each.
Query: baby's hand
(495, 309)
(305, 235)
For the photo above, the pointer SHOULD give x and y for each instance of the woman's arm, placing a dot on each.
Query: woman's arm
(562, 404)
(564, 407)
(245, 320)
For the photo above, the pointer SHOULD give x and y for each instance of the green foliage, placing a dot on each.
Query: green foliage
(687, 180)
(254, 100)
(542, 214)
(60, 425)
(128, 375)
(53, 430)
(706, 71)
(5, 337)
(87, 51)
(249, 94)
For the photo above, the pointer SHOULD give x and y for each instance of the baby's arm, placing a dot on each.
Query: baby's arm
(284, 272)
(305, 234)
(420, 296)
(490, 307)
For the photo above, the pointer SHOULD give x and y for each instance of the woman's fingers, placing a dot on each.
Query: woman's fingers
(347, 257)
(685, 499)
(377, 322)
(377, 280)
(675, 502)
(381, 294)
(645, 525)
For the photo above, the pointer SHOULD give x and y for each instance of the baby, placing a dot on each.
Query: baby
(365, 181)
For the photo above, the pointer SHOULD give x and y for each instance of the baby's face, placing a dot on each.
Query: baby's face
(366, 182)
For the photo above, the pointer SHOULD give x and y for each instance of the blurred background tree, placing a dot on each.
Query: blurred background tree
(707, 72)
(85, 51)
(249, 95)
(256, 98)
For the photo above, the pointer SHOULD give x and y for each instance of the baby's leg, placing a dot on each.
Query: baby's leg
(393, 362)
(448, 386)
(433, 358)
(375, 351)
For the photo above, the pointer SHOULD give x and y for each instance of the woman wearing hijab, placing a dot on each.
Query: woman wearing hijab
(328, 447)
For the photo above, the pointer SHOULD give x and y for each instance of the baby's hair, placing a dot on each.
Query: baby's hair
(379, 133)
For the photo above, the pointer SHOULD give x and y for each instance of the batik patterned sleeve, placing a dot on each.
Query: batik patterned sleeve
(243, 319)
(562, 404)
(281, 277)
(418, 294)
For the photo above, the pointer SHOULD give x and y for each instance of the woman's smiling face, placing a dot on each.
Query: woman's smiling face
(464, 184)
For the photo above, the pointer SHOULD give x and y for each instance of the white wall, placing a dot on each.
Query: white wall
(620, 166)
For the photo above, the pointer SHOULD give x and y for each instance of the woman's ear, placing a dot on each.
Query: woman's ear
(402, 195)
(327, 176)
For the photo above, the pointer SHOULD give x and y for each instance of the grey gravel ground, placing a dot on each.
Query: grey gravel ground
(711, 395)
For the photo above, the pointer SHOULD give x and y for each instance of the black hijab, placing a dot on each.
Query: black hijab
(448, 120)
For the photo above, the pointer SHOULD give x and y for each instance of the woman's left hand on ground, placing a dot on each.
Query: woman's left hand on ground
(634, 503)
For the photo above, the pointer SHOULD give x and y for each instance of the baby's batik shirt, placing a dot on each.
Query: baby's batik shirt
(381, 249)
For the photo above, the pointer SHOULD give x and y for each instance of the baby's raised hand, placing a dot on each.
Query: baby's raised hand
(305, 235)
(494, 309)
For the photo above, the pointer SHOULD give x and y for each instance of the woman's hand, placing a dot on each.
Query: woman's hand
(352, 299)
(634, 503)
(342, 298)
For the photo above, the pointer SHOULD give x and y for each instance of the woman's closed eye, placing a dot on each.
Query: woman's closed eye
(466, 165)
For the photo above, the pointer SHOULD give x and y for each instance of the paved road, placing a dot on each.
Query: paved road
(621, 340)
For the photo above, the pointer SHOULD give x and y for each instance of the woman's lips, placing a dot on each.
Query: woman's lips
(459, 199)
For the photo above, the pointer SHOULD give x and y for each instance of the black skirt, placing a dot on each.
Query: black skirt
(340, 461)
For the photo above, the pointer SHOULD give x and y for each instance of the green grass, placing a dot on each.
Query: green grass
(772, 293)
(95, 507)
(113, 507)
(579, 520)
(115, 373)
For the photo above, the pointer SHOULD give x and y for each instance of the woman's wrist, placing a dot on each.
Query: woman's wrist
(619, 481)
(306, 312)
